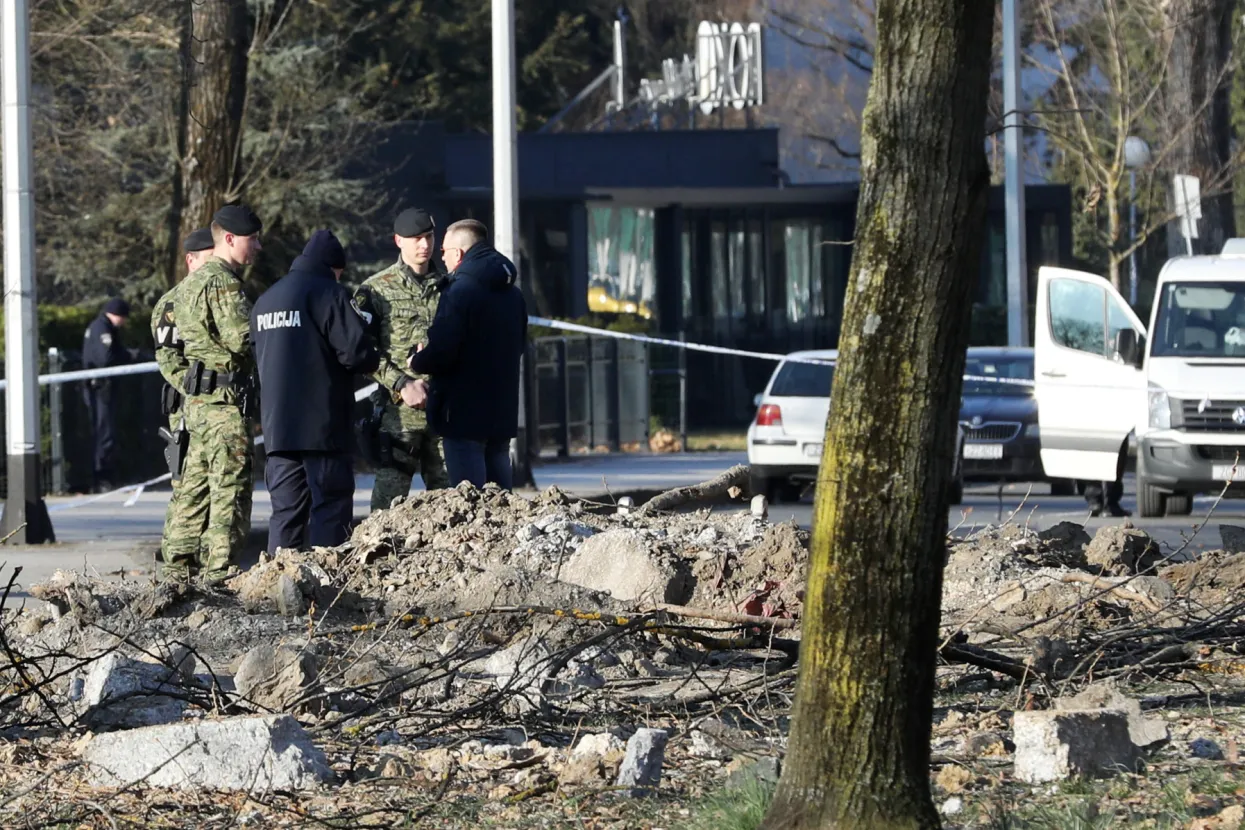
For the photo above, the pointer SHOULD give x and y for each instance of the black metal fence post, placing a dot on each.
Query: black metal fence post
(615, 397)
(564, 402)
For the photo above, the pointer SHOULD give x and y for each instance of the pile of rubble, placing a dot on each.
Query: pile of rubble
(545, 643)
(446, 551)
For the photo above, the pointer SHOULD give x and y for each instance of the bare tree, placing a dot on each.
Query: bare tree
(212, 163)
(1113, 72)
(1197, 94)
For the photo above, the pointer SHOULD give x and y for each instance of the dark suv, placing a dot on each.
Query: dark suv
(1000, 420)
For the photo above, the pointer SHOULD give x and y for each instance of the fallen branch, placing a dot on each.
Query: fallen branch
(983, 659)
(726, 616)
(714, 488)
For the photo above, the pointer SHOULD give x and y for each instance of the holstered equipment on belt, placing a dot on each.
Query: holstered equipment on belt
(176, 443)
(170, 399)
(203, 381)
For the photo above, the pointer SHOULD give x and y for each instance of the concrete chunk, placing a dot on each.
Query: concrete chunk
(622, 564)
(278, 678)
(1144, 732)
(1054, 745)
(255, 754)
(641, 767)
(123, 693)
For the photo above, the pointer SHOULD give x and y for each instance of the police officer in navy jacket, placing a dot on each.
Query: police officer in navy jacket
(310, 341)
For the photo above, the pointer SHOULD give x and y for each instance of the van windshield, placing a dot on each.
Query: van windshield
(1200, 319)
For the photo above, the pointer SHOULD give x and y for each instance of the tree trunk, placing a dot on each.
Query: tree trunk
(212, 162)
(859, 750)
(1197, 91)
(181, 124)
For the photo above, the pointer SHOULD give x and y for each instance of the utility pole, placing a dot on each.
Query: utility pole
(506, 191)
(25, 518)
(1014, 182)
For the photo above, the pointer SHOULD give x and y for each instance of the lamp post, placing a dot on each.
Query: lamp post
(1136, 154)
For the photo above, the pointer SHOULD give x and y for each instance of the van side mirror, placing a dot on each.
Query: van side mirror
(1128, 347)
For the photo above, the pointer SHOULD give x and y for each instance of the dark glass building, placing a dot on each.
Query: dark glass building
(700, 232)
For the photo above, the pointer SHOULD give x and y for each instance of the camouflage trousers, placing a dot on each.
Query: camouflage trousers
(425, 456)
(209, 516)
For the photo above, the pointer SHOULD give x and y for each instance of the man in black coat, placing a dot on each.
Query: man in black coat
(310, 341)
(474, 347)
(101, 349)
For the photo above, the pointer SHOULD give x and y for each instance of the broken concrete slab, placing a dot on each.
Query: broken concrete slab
(1144, 732)
(624, 565)
(253, 753)
(641, 768)
(278, 679)
(1054, 745)
(122, 693)
(1122, 550)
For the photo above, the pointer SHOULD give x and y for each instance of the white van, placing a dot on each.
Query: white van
(1179, 387)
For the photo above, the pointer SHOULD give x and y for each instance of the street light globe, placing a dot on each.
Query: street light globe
(1136, 152)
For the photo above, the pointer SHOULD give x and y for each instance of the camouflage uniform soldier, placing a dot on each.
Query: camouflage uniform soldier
(172, 361)
(399, 304)
(213, 317)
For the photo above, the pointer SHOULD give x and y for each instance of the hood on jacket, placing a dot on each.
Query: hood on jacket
(482, 262)
(324, 248)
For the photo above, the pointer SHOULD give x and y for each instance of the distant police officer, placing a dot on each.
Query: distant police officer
(213, 317)
(310, 340)
(172, 362)
(102, 348)
(399, 304)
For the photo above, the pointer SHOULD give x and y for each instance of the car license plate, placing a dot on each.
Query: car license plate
(812, 450)
(1223, 472)
(983, 452)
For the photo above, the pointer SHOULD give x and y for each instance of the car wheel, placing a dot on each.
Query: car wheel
(1179, 504)
(1063, 487)
(1151, 502)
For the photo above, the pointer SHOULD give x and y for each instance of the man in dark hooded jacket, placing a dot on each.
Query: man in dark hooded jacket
(310, 341)
(474, 347)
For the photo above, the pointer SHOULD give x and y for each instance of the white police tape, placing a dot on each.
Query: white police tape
(702, 347)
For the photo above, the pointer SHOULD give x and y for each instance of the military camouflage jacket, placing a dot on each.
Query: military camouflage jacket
(399, 306)
(214, 319)
(169, 354)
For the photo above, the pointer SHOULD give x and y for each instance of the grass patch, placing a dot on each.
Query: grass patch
(739, 808)
(717, 441)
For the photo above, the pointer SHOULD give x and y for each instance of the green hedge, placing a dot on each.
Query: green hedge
(62, 327)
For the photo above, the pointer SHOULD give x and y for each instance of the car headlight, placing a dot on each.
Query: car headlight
(1160, 410)
(1033, 431)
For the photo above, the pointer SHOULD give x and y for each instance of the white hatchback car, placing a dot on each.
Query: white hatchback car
(786, 435)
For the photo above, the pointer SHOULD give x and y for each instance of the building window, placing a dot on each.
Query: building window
(720, 277)
(816, 276)
(739, 309)
(756, 268)
(1049, 254)
(797, 247)
(621, 266)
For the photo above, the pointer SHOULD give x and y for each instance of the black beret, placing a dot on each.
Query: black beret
(238, 220)
(118, 307)
(413, 222)
(198, 240)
